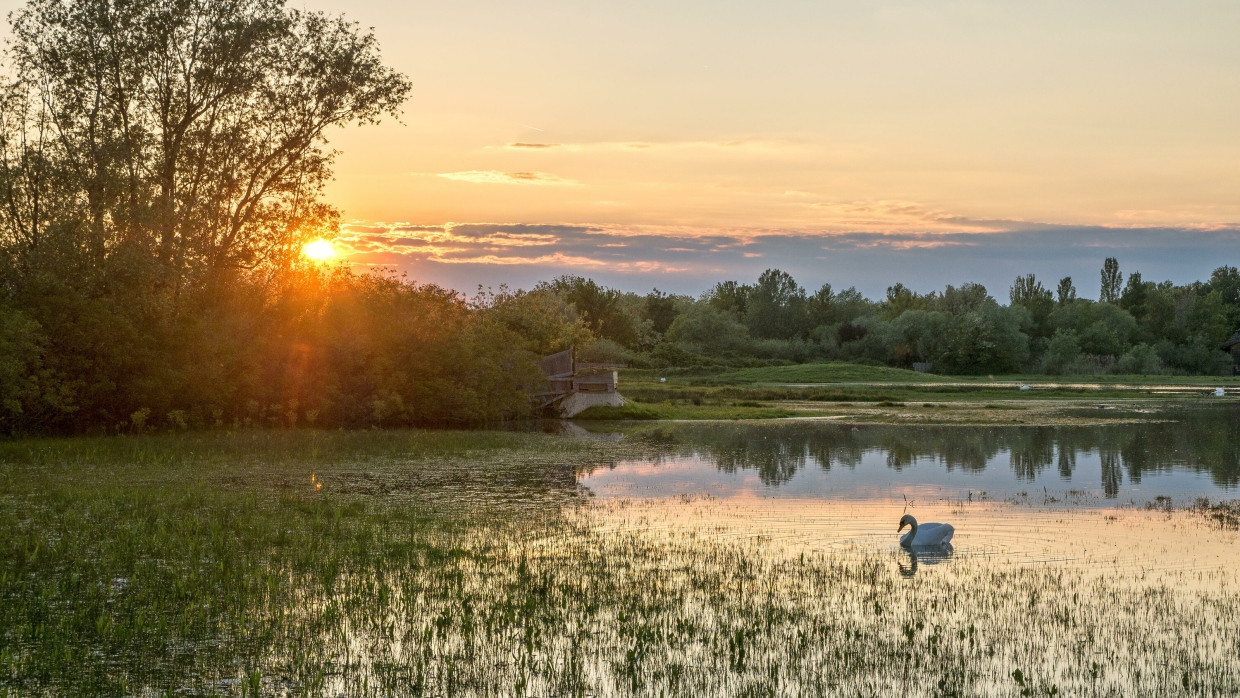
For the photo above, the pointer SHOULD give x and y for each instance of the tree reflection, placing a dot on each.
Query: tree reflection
(1204, 439)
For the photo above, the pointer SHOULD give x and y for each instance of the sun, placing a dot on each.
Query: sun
(319, 250)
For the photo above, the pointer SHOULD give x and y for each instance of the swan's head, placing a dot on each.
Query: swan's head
(906, 520)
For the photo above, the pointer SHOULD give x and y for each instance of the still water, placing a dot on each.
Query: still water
(1182, 453)
(1096, 498)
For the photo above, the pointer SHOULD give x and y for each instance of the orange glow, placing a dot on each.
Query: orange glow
(319, 250)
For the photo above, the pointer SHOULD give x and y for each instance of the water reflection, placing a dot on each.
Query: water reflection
(926, 555)
(1194, 452)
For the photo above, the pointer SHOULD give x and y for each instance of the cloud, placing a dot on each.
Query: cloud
(740, 146)
(691, 260)
(895, 216)
(497, 177)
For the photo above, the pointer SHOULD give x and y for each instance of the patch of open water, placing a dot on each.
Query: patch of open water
(1086, 498)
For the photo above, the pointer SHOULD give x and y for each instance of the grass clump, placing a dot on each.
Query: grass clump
(630, 410)
(1225, 514)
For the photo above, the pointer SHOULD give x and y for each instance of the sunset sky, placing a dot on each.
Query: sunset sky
(675, 144)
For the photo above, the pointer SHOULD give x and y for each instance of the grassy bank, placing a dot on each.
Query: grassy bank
(887, 395)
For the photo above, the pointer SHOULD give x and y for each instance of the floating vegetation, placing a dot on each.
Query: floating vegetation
(1225, 514)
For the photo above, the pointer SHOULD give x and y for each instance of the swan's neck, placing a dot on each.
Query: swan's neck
(912, 533)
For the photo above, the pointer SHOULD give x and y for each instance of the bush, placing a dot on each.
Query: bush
(1140, 360)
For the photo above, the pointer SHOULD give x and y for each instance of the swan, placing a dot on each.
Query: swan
(925, 535)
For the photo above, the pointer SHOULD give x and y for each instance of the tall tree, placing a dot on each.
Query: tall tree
(161, 164)
(192, 130)
(729, 297)
(957, 301)
(777, 306)
(1135, 295)
(1226, 280)
(598, 305)
(1029, 293)
(1111, 280)
(1066, 292)
(900, 298)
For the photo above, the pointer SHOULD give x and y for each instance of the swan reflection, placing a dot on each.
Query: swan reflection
(927, 555)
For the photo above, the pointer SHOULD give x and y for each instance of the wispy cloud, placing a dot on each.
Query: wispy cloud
(735, 146)
(497, 177)
(685, 259)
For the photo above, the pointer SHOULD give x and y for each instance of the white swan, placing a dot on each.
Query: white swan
(925, 535)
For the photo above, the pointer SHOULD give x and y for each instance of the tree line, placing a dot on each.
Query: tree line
(1137, 326)
(162, 164)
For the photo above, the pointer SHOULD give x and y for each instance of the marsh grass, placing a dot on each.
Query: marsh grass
(741, 409)
(684, 395)
(841, 372)
(302, 563)
(835, 372)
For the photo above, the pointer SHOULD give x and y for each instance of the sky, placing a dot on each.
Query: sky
(675, 144)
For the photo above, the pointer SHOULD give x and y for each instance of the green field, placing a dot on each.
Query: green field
(871, 394)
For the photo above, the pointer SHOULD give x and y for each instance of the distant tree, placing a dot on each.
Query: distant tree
(899, 299)
(777, 307)
(827, 307)
(1101, 329)
(986, 340)
(850, 304)
(821, 306)
(544, 322)
(957, 301)
(1209, 317)
(1066, 293)
(703, 329)
(918, 335)
(1139, 360)
(1111, 280)
(598, 306)
(1109, 332)
(661, 309)
(1135, 295)
(1061, 353)
(1226, 280)
(729, 297)
(19, 365)
(1029, 293)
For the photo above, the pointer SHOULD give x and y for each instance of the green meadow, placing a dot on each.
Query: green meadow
(863, 393)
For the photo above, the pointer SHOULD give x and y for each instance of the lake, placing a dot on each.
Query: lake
(1015, 493)
(1180, 452)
